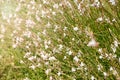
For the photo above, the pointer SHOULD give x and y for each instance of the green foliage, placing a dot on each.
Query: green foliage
(59, 40)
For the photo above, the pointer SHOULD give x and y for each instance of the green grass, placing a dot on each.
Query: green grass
(57, 40)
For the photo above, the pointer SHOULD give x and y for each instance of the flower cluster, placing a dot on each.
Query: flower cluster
(66, 39)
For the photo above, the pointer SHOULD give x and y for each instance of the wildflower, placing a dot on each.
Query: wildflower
(93, 43)
(79, 6)
(55, 6)
(70, 52)
(64, 57)
(100, 19)
(48, 71)
(100, 50)
(99, 67)
(29, 23)
(116, 43)
(108, 20)
(51, 78)
(14, 45)
(111, 68)
(18, 8)
(48, 24)
(59, 73)
(52, 58)
(44, 32)
(27, 46)
(17, 21)
(76, 59)
(38, 65)
(75, 28)
(114, 20)
(64, 34)
(37, 18)
(73, 69)
(32, 2)
(46, 46)
(46, 63)
(45, 2)
(100, 57)
(65, 28)
(92, 78)
(44, 56)
(73, 39)
(96, 3)
(43, 13)
(85, 69)
(27, 33)
(26, 78)
(53, 13)
(27, 54)
(32, 58)
(115, 72)
(113, 48)
(21, 61)
(105, 74)
(112, 2)
(82, 64)
(32, 67)
(60, 46)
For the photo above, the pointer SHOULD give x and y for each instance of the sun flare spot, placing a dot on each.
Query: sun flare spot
(7, 9)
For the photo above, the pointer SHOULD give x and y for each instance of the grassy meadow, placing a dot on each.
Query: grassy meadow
(59, 39)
